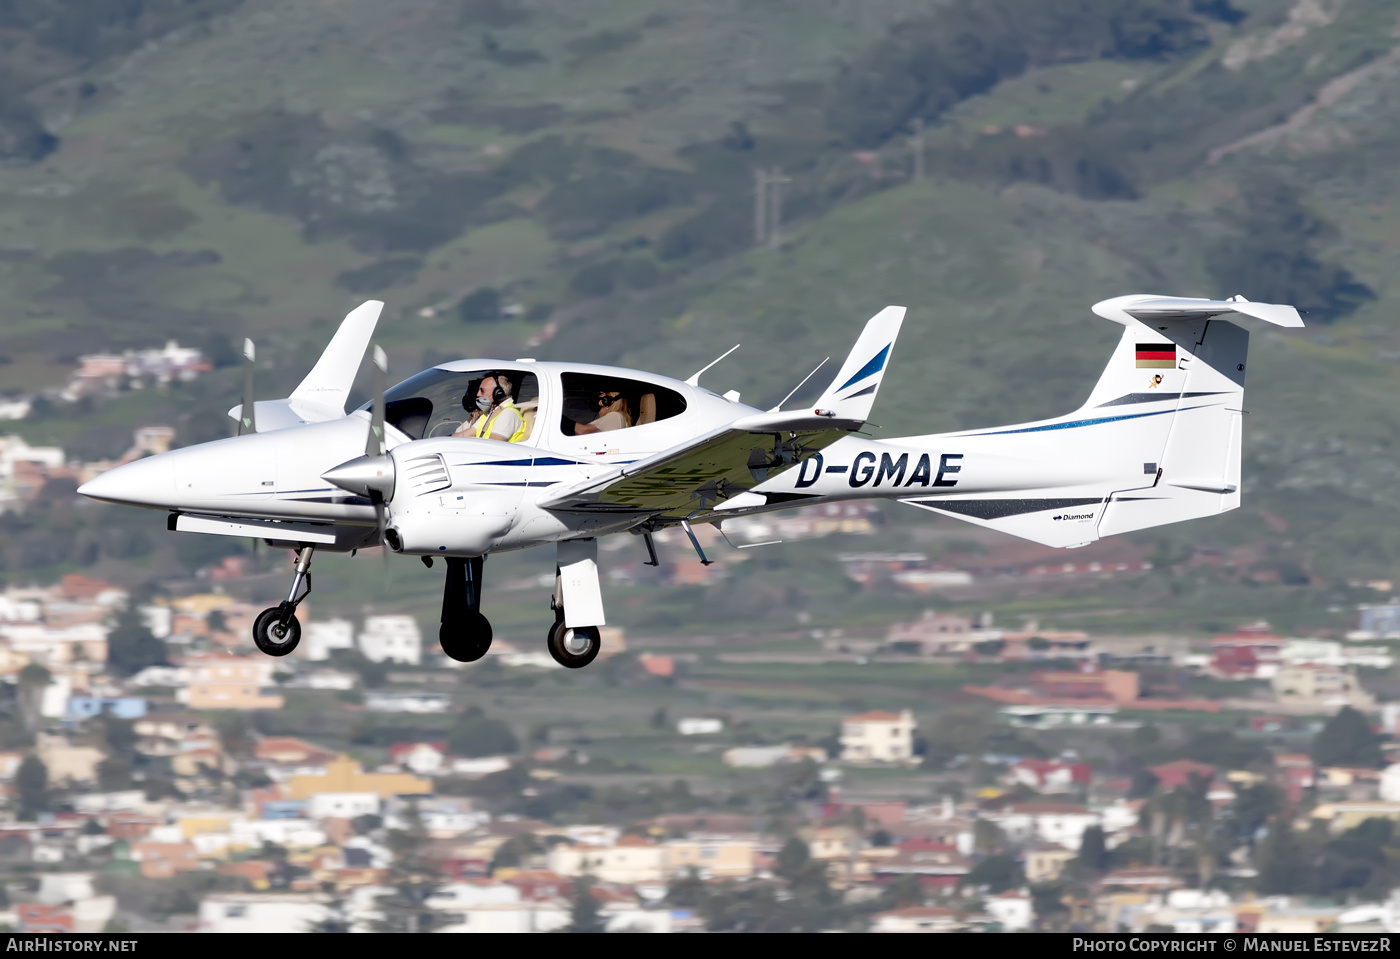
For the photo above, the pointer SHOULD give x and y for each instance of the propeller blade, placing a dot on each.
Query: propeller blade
(375, 445)
(247, 417)
(380, 523)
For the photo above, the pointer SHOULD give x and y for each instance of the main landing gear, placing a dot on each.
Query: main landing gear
(465, 634)
(276, 631)
(577, 603)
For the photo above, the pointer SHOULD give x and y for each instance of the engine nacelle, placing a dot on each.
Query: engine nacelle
(466, 522)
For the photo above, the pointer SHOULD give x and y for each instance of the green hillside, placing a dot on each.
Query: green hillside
(210, 170)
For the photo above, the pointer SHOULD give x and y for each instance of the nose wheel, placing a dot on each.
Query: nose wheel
(573, 646)
(273, 636)
(276, 631)
(467, 641)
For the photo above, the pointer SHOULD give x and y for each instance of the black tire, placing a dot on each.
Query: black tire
(270, 637)
(561, 637)
(468, 642)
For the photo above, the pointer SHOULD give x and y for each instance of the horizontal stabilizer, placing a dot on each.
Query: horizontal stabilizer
(852, 393)
(1150, 308)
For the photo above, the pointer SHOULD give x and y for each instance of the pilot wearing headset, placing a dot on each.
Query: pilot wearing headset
(496, 415)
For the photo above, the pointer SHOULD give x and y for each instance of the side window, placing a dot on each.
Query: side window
(598, 404)
(443, 402)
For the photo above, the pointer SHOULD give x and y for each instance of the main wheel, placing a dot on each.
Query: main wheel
(468, 641)
(270, 636)
(576, 647)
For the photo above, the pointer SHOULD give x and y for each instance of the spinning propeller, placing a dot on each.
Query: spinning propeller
(371, 475)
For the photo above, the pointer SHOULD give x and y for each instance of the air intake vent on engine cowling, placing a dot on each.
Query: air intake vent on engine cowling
(426, 474)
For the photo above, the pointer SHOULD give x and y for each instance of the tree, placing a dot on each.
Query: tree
(476, 735)
(131, 647)
(1347, 740)
(998, 873)
(1093, 852)
(483, 306)
(413, 879)
(792, 857)
(1282, 862)
(33, 680)
(32, 785)
(583, 908)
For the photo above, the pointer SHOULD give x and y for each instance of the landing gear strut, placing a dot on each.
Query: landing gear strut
(465, 634)
(573, 640)
(276, 631)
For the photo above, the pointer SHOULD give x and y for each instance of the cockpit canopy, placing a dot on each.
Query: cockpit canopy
(441, 402)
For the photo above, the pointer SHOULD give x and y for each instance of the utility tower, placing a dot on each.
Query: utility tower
(768, 207)
(917, 142)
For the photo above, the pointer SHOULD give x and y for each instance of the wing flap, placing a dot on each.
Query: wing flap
(700, 475)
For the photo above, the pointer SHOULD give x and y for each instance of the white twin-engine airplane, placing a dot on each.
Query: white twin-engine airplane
(599, 450)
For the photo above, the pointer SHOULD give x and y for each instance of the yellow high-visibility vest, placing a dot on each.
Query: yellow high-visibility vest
(483, 425)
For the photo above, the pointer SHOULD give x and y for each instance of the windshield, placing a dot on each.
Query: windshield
(432, 403)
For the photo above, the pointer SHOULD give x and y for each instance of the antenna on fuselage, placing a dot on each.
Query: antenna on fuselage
(798, 386)
(694, 379)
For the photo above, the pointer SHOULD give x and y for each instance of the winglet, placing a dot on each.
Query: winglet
(852, 393)
(328, 384)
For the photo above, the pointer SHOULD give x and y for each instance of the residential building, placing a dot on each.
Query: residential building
(917, 919)
(345, 775)
(263, 912)
(226, 681)
(932, 635)
(632, 860)
(1051, 775)
(1012, 909)
(761, 757)
(1045, 863)
(425, 759)
(406, 702)
(324, 636)
(1062, 824)
(162, 860)
(67, 763)
(699, 726)
(395, 639)
(878, 737)
(342, 805)
(1180, 773)
(1325, 688)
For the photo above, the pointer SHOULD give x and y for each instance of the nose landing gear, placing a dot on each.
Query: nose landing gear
(465, 634)
(276, 631)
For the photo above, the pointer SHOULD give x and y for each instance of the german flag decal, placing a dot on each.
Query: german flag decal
(1156, 356)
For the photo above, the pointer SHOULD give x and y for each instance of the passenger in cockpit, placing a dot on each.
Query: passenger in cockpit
(613, 414)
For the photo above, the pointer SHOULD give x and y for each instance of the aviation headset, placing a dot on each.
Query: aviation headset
(498, 393)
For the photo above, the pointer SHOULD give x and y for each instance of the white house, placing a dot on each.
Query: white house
(699, 727)
(394, 639)
(342, 805)
(878, 737)
(281, 832)
(630, 861)
(394, 702)
(326, 635)
(1012, 909)
(1060, 823)
(262, 912)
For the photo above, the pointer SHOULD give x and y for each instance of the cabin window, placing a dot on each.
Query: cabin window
(441, 402)
(595, 403)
